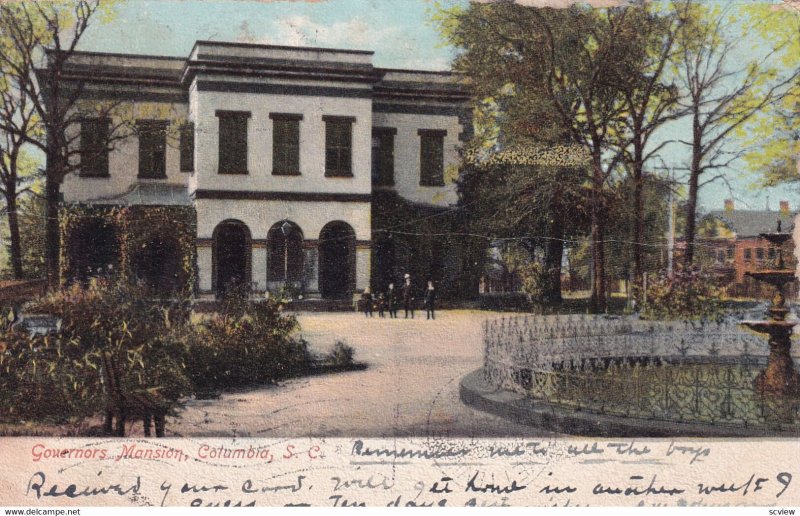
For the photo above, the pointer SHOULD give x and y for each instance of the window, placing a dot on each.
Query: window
(285, 144)
(285, 244)
(187, 147)
(338, 146)
(233, 141)
(760, 253)
(383, 156)
(152, 148)
(771, 253)
(748, 254)
(94, 147)
(720, 256)
(431, 157)
(730, 253)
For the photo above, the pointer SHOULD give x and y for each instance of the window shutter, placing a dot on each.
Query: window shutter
(187, 147)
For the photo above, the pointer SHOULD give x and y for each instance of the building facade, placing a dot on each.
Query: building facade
(737, 247)
(281, 152)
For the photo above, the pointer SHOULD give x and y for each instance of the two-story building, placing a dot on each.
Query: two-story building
(281, 152)
(737, 247)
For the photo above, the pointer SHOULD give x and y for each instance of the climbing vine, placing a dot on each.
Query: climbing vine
(135, 228)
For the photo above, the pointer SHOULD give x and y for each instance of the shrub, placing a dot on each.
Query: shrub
(687, 295)
(59, 377)
(159, 355)
(247, 343)
(342, 354)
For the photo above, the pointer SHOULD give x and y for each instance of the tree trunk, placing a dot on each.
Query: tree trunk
(638, 223)
(52, 240)
(691, 215)
(598, 299)
(694, 187)
(13, 229)
(552, 261)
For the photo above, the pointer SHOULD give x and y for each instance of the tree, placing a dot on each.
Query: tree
(650, 101)
(520, 195)
(18, 169)
(774, 136)
(552, 67)
(38, 39)
(721, 94)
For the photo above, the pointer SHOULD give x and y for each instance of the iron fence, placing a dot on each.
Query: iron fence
(689, 372)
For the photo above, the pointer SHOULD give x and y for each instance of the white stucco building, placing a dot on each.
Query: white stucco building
(280, 150)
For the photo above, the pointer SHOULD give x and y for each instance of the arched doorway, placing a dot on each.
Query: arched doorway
(285, 253)
(94, 249)
(231, 257)
(337, 260)
(157, 264)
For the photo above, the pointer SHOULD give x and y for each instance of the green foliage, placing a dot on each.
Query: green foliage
(534, 281)
(31, 224)
(428, 243)
(342, 354)
(60, 377)
(161, 356)
(688, 295)
(247, 343)
(136, 228)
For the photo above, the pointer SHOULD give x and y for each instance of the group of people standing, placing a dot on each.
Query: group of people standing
(391, 300)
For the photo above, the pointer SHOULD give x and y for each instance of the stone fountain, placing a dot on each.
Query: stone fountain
(780, 378)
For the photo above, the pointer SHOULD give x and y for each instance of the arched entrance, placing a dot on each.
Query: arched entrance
(337, 260)
(157, 265)
(285, 253)
(231, 257)
(94, 249)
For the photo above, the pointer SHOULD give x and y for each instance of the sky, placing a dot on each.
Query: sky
(398, 31)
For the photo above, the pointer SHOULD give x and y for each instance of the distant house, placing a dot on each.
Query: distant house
(738, 247)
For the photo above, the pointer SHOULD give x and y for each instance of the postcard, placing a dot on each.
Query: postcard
(370, 253)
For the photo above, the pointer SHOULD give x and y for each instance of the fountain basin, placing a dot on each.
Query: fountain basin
(775, 277)
(771, 327)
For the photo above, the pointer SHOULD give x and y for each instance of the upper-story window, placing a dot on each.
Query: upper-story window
(338, 146)
(431, 157)
(152, 148)
(187, 147)
(285, 144)
(94, 147)
(748, 254)
(383, 156)
(233, 141)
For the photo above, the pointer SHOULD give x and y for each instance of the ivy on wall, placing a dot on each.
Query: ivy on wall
(135, 228)
(429, 243)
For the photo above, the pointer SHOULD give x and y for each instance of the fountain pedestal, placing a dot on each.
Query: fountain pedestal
(780, 378)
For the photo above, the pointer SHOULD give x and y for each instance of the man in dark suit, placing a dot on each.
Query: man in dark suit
(408, 296)
(391, 301)
(430, 301)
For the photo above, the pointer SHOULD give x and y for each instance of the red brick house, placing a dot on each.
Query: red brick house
(739, 248)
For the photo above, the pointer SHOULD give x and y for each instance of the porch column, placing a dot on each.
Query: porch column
(258, 261)
(310, 267)
(363, 256)
(204, 265)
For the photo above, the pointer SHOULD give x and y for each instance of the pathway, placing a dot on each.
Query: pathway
(410, 387)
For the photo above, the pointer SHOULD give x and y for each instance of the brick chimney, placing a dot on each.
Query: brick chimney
(785, 207)
(728, 204)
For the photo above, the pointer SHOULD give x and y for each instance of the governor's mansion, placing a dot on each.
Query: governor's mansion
(300, 167)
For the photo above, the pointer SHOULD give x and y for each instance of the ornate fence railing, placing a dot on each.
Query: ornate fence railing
(688, 372)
